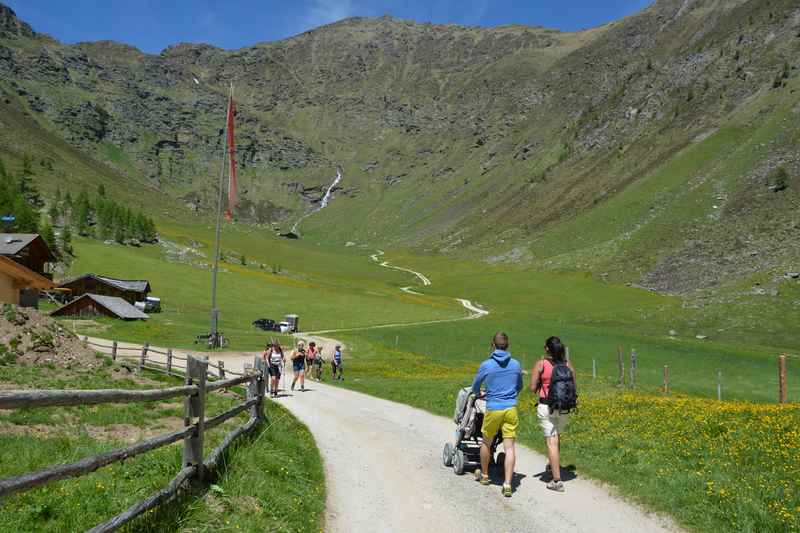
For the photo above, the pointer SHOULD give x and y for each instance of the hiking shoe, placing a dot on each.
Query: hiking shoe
(557, 486)
(481, 478)
(507, 491)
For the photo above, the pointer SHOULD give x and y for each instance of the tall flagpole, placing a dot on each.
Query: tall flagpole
(226, 155)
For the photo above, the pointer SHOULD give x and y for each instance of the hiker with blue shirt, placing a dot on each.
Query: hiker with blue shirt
(502, 377)
(336, 363)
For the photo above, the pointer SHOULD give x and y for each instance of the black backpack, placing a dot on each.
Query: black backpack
(562, 395)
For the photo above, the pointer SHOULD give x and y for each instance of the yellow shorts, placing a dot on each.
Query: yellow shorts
(505, 420)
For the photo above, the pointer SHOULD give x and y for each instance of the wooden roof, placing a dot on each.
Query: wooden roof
(11, 244)
(116, 306)
(24, 274)
(133, 285)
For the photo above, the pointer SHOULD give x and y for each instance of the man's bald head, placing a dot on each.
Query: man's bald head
(500, 341)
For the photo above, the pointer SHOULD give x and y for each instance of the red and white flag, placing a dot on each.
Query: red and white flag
(232, 157)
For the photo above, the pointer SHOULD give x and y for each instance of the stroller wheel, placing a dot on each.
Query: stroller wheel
(459, 461)
(447, 455)
(501, 459)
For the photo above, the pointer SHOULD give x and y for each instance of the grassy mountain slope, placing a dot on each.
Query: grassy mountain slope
(647, 150)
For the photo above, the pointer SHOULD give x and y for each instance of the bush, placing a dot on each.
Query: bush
(7, 356)
(778, 180)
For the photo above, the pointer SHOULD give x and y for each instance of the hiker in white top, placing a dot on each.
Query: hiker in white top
(273, 355)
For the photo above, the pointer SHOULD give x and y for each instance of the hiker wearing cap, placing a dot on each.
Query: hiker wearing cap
(502, 377)
(298, 358)
(336, 362)
(553, 380)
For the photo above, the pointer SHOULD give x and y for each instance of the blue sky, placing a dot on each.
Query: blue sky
(152, 25)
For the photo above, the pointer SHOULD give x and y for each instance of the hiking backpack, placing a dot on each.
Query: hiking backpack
(562, 395)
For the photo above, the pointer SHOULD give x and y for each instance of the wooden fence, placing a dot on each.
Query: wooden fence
(169, 363)
(781, 395)
(194, 468)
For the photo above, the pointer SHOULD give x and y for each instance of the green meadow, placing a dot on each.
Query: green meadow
(333, 287)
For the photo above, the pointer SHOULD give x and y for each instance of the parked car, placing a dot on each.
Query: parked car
(285, 327)
(151, 304)
(267, 324)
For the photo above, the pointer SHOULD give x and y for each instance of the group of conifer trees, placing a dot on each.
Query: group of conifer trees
(99, 217)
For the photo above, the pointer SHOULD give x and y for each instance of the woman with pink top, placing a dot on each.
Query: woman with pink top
(552, 421)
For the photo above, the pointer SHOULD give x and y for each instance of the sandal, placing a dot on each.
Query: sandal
(507, 491)
(482, 478)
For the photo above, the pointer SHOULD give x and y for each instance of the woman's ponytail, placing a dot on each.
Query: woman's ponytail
(555, 349)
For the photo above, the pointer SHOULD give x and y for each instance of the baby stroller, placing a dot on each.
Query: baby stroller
(465, 452)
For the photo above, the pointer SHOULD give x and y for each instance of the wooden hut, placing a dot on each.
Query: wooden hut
(92, 305)
(29, 250)
(19, 285)
(131, 291)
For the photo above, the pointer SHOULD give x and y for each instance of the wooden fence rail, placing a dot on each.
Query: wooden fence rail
(195, 391)
(142, 355)
(13, 399)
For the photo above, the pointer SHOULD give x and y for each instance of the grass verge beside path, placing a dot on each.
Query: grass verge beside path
(714, 466)
(269, 470)
(274, 481)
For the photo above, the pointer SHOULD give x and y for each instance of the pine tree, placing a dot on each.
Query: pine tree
(49, 236)
(83, 215)
(54, 213)
(66, 240)
(26, 218)
(119, 233)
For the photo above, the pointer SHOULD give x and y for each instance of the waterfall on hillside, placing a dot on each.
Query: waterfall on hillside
(326, 198)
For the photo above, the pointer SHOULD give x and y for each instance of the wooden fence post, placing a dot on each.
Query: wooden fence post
(195, 408)
(621, 365)
(666, 379)
(594, 368)
(143, 356)
(719, 385)
(256, 388)
(114, 351)
(633, 368)
(169, 361)
(782, 379)
(221, 369)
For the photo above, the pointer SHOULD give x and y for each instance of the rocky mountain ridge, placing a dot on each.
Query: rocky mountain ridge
(437, 126)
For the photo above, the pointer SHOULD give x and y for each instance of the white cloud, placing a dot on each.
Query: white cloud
(327, 11)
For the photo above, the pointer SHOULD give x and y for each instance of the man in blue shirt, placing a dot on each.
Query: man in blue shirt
(502, 376)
